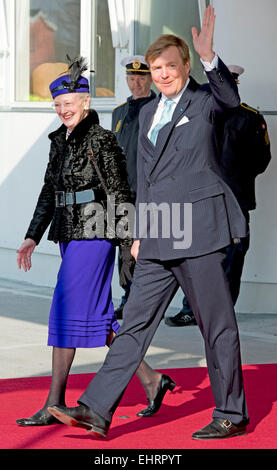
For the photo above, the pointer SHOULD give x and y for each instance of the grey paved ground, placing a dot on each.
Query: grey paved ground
(24, 315)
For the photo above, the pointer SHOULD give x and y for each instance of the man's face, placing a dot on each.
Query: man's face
(169, 73)
(139, 84)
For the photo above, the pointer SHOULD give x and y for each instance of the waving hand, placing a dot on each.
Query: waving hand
(203, 42)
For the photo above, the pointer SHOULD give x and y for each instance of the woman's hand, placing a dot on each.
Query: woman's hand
(135, 249)
(203, 42)
(24, 254)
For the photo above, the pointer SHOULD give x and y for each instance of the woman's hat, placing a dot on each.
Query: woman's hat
(73, 82)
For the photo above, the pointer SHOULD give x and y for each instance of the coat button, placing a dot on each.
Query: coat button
(220, 77)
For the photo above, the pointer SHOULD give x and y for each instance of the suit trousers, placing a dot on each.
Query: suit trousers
(233, 266)
(154, 285)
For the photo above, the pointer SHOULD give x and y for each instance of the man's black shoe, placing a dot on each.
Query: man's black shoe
(181, 319)
(220, 429)
(82, 417)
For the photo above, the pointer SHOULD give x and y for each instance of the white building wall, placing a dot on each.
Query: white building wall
(244, 34)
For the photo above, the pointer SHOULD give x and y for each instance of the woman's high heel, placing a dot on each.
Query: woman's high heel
(166, 383)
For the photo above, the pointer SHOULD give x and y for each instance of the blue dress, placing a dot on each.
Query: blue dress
(82, 312)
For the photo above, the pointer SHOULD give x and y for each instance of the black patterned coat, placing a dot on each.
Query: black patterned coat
(70, 169)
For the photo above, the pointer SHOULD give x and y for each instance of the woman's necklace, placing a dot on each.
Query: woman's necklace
(68, 132)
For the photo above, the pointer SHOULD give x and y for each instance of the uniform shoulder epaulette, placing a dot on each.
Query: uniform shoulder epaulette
(249, 108)
(119, 106)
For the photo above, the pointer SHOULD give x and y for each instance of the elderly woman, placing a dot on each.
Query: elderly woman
(85, 163)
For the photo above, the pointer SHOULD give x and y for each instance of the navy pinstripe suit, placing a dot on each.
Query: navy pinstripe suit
(182, 168)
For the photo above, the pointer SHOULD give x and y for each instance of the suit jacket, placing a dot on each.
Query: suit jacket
(182, 168)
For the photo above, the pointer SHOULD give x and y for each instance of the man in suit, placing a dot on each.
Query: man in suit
(244, 154)
(125, 125)
(178, 165)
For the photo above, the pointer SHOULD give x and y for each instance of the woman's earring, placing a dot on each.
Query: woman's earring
(86, 108)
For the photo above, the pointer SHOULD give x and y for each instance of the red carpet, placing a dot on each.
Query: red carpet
(185, 410)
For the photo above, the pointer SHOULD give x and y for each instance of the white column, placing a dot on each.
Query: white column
(22, 47)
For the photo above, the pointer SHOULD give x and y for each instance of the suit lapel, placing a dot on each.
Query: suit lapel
(166, 131)
(179, 112)
(150, 115)
(148, 118)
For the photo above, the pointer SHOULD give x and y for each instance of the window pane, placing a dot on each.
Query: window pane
(45, 32)
(104, 53)
(156, 17)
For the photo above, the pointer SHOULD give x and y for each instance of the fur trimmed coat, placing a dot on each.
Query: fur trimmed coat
(70, 169)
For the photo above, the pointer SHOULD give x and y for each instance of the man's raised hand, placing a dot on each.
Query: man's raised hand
(203, 42)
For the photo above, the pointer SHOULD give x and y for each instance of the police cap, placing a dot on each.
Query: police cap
(135, 64)
(236, 70)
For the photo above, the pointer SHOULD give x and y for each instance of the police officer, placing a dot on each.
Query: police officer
(244, 153)
(125, 126)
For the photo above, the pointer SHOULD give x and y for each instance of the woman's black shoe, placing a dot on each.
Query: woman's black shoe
(166, 383)
(40, 418)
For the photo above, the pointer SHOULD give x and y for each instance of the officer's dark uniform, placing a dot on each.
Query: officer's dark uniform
(245, 153)
(125, 125)
(244, 150)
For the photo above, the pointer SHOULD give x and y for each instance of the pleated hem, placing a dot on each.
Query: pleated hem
(86, 338)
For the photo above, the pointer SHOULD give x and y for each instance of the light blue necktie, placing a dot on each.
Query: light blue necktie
(165, 118)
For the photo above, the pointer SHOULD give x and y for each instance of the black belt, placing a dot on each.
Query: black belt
(63, 198)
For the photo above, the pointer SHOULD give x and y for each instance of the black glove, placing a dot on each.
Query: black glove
(127, 264)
